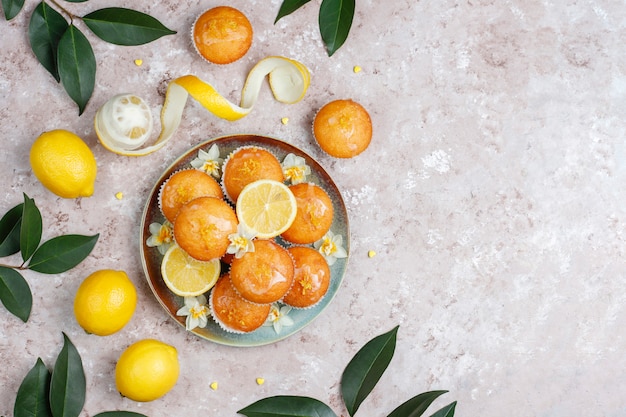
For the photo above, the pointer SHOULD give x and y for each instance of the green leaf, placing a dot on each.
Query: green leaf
(287, 406)
(77, 66)
(366, 368)
(119, 414)
(10, 226)
(15, 293)
(417, 405)
(30, 229)
(68, 385)
(32, 395)
(122, 26)
(44, 32)
(447, 411)
(335, 20)
(62, 253)
(12, 8)
(288, 7)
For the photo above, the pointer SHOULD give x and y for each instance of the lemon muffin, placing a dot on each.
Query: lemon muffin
(182, 187)
(342, 128)
(202, 226)
(314, 216)
(232, 312)
(222, 35)
(265, 275)
(311, 278)
(246, 165)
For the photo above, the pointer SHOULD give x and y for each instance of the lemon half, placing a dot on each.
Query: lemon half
(186, 276)
(267, 207)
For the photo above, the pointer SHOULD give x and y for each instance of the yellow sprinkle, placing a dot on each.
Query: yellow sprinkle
(214, 386)
(138, 62)
(356, 69)
(119, 195)
(371, 253)
(284, 120)
(260, 381)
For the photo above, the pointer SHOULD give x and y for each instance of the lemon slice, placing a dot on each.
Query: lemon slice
(288, 79)
(186, 276)
(267, 207)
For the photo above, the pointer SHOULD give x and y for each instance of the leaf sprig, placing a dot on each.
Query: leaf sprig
(20, 231)
(66, 53)
(357, 381)
(335, 20)
(60, 393)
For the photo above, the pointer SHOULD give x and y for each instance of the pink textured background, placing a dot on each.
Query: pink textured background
(492, 192)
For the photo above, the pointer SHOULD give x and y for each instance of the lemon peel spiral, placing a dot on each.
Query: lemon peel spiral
(124, 127)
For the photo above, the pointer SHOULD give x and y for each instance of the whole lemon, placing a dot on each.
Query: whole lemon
(105, 301)
(147, 370)
(64, 164)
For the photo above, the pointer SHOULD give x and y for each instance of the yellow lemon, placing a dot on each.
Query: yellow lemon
(147, 370)
(105, 301)
(266, 207)
(64, 164)
(186, 276)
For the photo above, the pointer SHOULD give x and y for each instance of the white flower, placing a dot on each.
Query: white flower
(161, 236)
(331, 247)
(208, 162)
(295, 168)
(241, 242)
(279, 317)
(196, 310)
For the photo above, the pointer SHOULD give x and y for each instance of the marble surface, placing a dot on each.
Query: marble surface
(492, 193)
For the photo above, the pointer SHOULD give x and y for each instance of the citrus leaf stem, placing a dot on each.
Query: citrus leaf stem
(64, 10)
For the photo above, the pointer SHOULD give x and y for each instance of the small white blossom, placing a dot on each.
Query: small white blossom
(241, 242)
(279, 318)
(295, 168)
(209, 162)
(161, 236)
(331, 247)
(196, 310)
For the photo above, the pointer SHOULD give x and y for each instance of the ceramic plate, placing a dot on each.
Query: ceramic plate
(151, 258)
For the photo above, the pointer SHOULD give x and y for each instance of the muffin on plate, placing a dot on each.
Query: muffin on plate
(232, 312)
(314, 216)
(265, 275)
(202, 227)
(246, 165)
(311, 278)
(182, 187)
(342, 128)
(222, 35)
